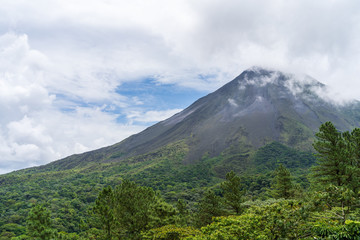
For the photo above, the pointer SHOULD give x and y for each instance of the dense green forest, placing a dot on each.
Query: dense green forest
(281, 193)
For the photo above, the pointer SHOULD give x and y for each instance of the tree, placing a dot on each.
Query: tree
(104, 208)
(282, 185)
(233, 191)
(332, 155)
(162, 213)
(183, 212)
(39, 223)
(171, 232)
(338, 168)
(209, 207)
(133, 208)
(280, 220)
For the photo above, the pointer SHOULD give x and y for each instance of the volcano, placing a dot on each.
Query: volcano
(258, 107)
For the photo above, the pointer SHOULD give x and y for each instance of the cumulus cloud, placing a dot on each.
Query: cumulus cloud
(33, 128)
(126, 40)
(62, 62)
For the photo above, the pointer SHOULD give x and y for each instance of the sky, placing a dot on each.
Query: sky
(79, 75)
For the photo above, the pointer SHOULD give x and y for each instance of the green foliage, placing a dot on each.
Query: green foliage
(133, 206)
(83, 208)
(162, 213)
(284, 219)
(209, 206)
(272, 155)
(13, 228)
(104, 209)
(39, 223)
(131, 209)
(282, 185)
(233, 192)
(332, 158)
(183, 212)
(170, 232)
(336, 202)
(335, 231)
(338, 168)
(246, 226)
(281, 220)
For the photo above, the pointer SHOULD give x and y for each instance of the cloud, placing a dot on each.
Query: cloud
(34, 129)
(121, 40)
(62, 62)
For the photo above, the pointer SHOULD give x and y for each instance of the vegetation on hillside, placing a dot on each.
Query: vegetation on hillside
(156, 196)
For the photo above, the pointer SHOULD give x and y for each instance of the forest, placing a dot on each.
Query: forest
(288, 197)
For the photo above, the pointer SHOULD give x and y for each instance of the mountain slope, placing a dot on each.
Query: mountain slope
(256, 108)
(251, 125)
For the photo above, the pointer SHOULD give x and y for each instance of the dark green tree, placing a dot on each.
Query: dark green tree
(338, 168)
(39, 224)
(352, 151)
(332, 157)
(183, 212)
(233, 192)
(162, 213)
(282, 186)
(209, 206)
(133, 208)
(104, 209)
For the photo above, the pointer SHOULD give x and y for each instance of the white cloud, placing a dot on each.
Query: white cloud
(73, 55)
(33, 129)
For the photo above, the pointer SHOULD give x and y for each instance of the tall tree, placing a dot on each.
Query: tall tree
(338, 167)
(133, 208)
(282, 186)
(353, 164)
(104, 208)
(183, 212)
(338, 157)
(233, 191)
(209, 206)
(330, 146)
(39, 223)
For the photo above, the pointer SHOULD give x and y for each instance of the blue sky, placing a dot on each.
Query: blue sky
(80, 75)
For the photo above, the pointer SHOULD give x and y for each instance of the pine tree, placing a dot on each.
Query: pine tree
(330, 146)
(233, 191)
(104, 208)
(183, 212)
(39, 224)
(133, 208)
(282, 185)
(338, 167)
(209, 207)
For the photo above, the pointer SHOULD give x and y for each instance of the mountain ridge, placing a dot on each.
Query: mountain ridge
(257, 107)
